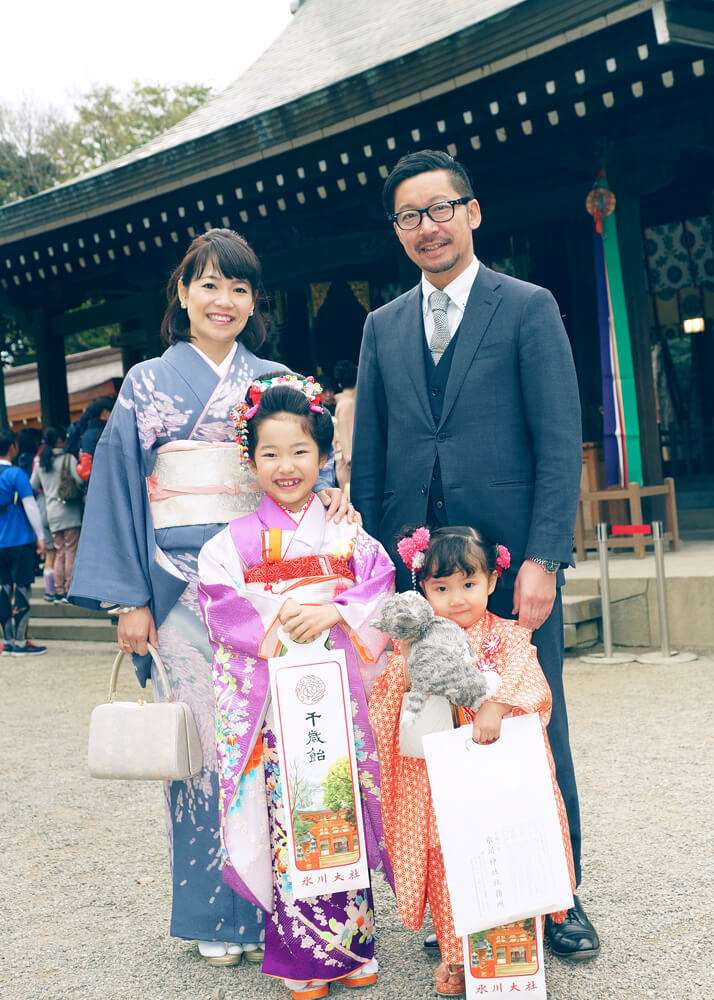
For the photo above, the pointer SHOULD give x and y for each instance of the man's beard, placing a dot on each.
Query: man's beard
(439, 268)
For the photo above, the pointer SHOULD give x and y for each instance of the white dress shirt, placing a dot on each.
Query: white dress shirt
(222, 369)
(458, 291)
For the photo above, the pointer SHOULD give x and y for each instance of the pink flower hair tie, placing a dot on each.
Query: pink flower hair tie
(411, 551)
(503, 560)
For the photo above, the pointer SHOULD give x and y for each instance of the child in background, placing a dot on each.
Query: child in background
(287, 565)
(456, 570)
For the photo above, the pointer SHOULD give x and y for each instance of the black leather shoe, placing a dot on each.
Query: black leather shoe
(431, 943)
(576, 938)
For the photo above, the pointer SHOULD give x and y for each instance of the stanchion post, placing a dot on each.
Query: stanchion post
(665, 654)
(608, 656)
(661, 587)
(604, 588)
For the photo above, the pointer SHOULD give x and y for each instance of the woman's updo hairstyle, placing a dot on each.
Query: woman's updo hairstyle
(284, 399)
(455, 549)
(232, 257)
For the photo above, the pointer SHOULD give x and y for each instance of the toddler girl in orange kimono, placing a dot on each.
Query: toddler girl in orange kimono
(456, 570)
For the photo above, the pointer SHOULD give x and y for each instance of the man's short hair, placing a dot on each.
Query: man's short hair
(7, 440)
(422, 162)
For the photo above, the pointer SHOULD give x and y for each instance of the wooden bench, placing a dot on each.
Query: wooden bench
(630, 503)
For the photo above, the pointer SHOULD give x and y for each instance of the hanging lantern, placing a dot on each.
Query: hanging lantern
(600, 201)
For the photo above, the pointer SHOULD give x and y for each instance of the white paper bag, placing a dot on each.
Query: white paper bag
(315, 741)
(498, 825)
(506, 959)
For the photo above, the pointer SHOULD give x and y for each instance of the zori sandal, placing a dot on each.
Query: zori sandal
(220, 952)
(307, 989)
(254, 953)
(366, 975)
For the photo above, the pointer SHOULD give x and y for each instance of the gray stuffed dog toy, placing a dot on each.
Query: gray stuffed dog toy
(440, 662)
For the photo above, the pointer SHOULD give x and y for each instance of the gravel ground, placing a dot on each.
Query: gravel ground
(84, 883)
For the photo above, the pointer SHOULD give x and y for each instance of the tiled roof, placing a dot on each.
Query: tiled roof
(326, 42)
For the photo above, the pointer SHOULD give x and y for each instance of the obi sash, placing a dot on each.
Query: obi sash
(271, 573)
(200, 482)
(310, 588)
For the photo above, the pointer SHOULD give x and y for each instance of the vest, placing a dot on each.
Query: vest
(437, 377)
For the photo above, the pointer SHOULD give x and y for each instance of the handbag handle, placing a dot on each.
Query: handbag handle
(158, 663)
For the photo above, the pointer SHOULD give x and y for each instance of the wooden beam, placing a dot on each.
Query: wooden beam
(96, 316)
(685, 22)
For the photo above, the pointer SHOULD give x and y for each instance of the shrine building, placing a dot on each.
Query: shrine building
(533, 96)
(331, 839)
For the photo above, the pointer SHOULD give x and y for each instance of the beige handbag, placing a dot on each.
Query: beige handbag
(139, 740)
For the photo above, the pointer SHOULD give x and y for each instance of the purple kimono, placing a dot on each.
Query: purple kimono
(245, 575)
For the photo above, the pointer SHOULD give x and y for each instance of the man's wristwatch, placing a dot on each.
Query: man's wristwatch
(549, 565)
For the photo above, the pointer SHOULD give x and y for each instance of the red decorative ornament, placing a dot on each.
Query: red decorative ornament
(600, 201)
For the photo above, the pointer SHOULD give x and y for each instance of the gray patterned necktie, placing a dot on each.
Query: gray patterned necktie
(440, 338)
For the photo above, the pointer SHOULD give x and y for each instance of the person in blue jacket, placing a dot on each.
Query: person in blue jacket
(21, 536)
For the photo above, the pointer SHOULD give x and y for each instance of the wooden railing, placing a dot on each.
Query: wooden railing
(630, 505)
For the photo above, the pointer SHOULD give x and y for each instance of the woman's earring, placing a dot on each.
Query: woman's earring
(183, 305)
(251, 312)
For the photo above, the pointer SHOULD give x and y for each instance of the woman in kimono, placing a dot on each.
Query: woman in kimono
(286, 566)
(166, 477)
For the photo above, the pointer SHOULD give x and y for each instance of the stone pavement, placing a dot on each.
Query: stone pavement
(84, 881)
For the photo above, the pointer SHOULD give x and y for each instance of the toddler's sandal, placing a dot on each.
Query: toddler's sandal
(449, 980)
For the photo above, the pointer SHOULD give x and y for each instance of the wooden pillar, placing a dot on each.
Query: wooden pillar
(581, 322)
(632, 254)
(6, 325)
(52, 373)
(4, 421)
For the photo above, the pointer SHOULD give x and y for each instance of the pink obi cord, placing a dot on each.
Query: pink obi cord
(158, 492)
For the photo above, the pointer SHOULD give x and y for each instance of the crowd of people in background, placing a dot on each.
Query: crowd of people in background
(43, 481)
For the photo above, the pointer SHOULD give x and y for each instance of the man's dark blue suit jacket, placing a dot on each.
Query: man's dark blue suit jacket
(509, 440)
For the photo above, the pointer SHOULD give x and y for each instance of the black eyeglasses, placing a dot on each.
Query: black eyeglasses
(442, 211)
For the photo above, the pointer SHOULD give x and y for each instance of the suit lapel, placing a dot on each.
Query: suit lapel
(411, 348)
(482, 303)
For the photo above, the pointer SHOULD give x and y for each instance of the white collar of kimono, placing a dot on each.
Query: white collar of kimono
(224, 367)
(296, 515)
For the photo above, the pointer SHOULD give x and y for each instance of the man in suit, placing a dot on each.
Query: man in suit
(468, 413)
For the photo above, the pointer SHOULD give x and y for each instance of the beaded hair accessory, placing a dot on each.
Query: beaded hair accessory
(242, 412)
(412, 547)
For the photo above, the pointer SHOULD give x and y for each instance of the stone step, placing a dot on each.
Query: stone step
(581, 620)
(581, 615)
(73, 629)
(577, 608)
(43, 609)
(581, 635)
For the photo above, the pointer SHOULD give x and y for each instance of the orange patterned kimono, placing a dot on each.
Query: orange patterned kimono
(410, 828)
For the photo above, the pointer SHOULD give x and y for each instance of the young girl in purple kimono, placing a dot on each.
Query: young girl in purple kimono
(286, 566)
